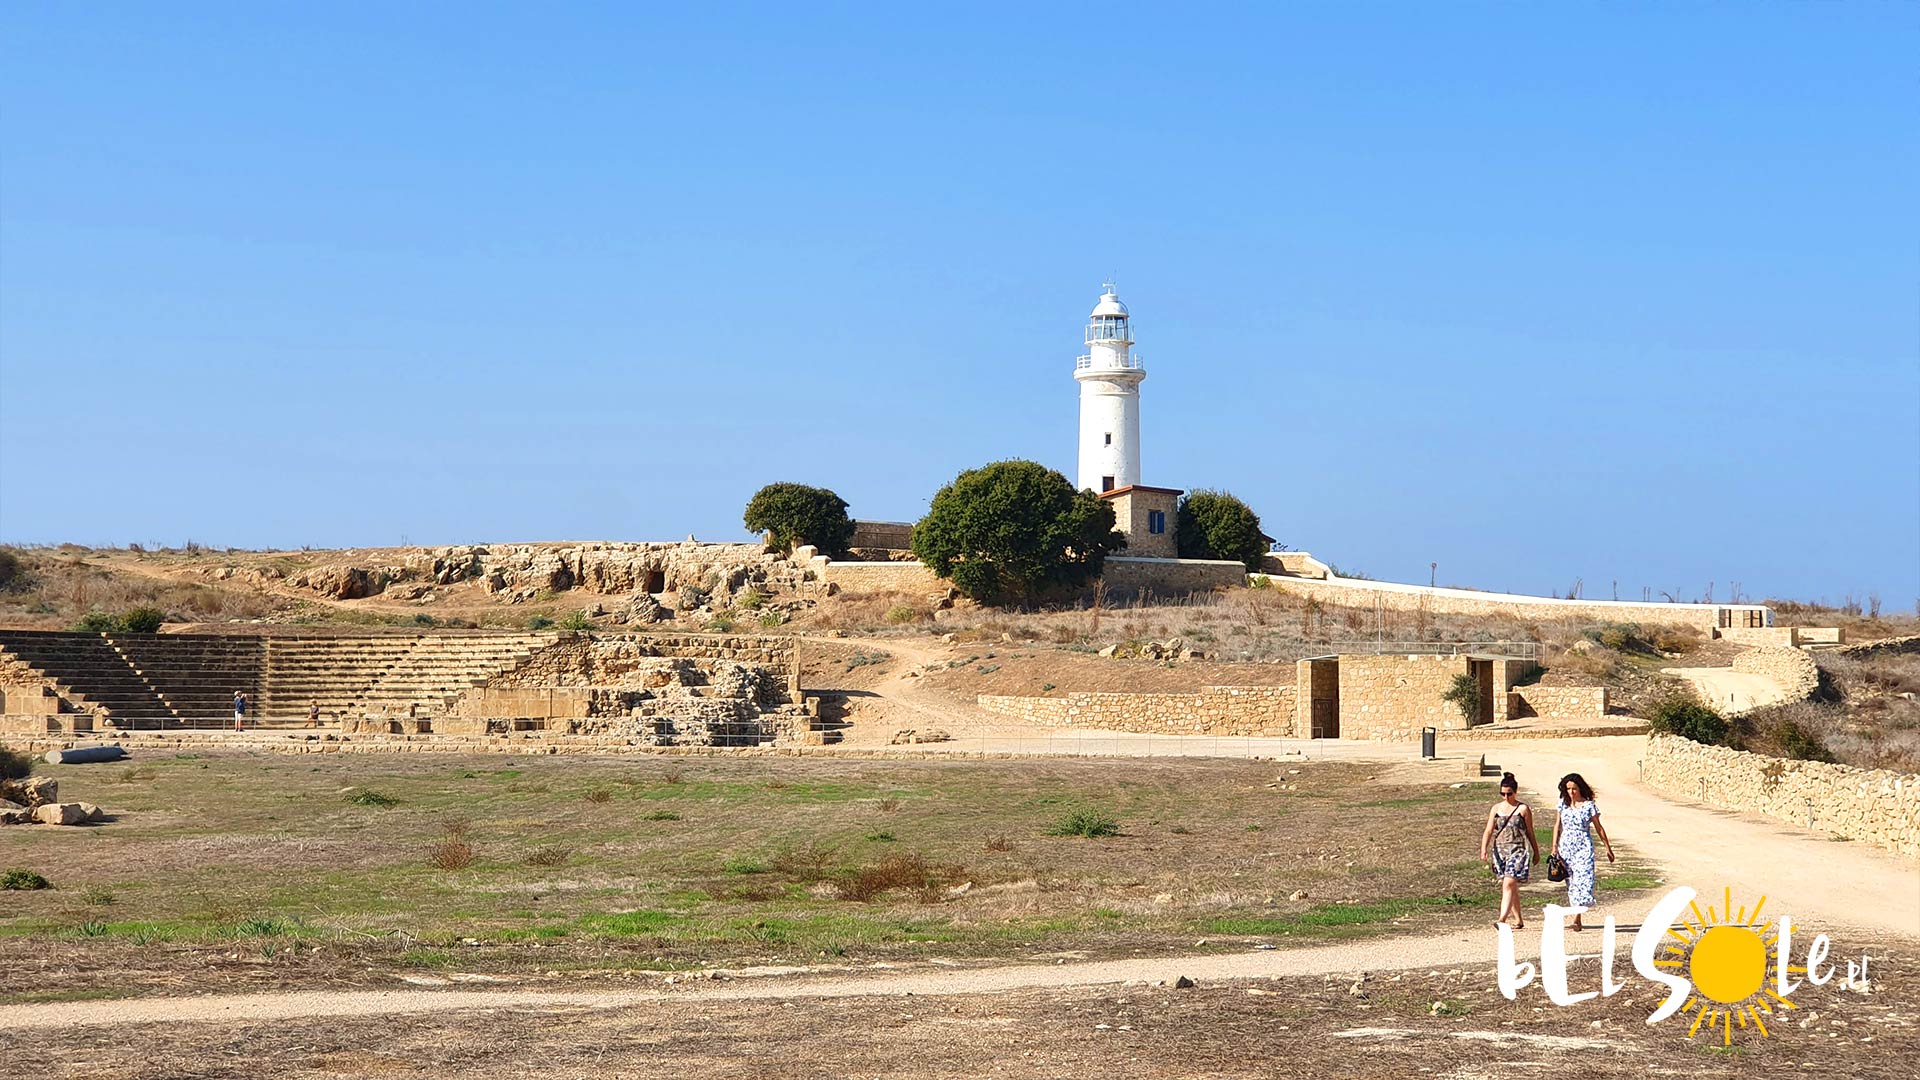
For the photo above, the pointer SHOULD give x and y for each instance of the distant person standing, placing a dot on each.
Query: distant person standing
(313, 715)
(239, 710)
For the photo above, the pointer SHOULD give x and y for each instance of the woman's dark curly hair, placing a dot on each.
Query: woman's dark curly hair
(1578, 781)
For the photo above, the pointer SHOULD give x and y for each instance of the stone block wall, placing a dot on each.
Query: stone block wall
(909, 577)
(1791, 668)
(1894, 646)
(1390, 698)
(1126, 576)
(1872, 806)
(1215, 710)
(1294, 563)
(889, 535)
(605, 659)
(1571, 702)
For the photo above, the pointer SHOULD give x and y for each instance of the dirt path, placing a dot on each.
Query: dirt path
(1731, 691)
(1824, 884)
(1436, 951)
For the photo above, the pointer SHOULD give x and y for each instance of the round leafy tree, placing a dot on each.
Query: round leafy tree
(798, 514)
(1216, 525)
(1009, 532)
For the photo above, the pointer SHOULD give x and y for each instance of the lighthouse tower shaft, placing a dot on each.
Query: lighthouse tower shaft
(1109, 375)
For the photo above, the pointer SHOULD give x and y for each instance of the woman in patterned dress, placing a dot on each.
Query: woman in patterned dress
(1574, 843)
(1508, 842)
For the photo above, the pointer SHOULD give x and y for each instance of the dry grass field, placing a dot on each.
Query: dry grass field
(234, 870)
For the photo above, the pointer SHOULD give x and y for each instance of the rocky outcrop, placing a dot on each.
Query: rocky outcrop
(718, 573)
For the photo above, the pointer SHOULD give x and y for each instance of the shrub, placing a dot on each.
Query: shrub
(98, 622)
(771, 619)
(549, 855)
(750, 600)
(143, 620)
(1464, 695)
(424, 619)
(366, 797)
(1793, 740)
(796, 514)
(13, 573)
(721, 624)
(911, 872)
(576, 621)
(539, 622)
(1089, 823)
(96, 896)
(14, 764)
(599, 796)
(1689, 719)
(23, 881)
(1216, 525)
(1009, 532)
(1675, 641)
(745, 864)
(901, 614)
(811, 861)
(453, 853)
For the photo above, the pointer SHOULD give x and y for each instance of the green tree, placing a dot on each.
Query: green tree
(1464, 694)
(797, 514)
(1012, 531)
(1216, 525)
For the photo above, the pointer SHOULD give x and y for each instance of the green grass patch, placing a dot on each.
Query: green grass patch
(1088, 823)
(1630, 879)
(1325, 917)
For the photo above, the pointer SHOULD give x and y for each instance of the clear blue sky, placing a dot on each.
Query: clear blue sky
(1538, 292)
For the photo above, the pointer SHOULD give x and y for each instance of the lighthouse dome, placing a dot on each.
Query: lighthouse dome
(1109, 305)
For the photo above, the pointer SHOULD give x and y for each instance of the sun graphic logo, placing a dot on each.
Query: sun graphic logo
(1725, 956)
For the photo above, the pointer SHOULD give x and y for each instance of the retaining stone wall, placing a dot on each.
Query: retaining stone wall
(1558, 701)
(1872, 806)
(1215, 710)
(1791, 668)
(1886, 647)
(1393, 596)
(1125, 576)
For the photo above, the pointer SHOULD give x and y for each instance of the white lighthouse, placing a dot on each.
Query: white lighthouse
(1109, 376)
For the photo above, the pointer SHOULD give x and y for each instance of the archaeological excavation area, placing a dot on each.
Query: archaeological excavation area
(630, 689)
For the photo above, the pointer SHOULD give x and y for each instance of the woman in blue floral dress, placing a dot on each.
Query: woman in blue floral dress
(1573, 842)
(1508, 843)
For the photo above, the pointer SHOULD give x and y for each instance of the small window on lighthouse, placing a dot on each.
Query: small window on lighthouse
(1106, 483)
(1109, 438)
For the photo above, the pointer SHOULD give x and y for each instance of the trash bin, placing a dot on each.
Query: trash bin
(1426, 742)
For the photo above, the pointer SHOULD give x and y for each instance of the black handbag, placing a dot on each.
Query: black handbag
(1556, 868)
